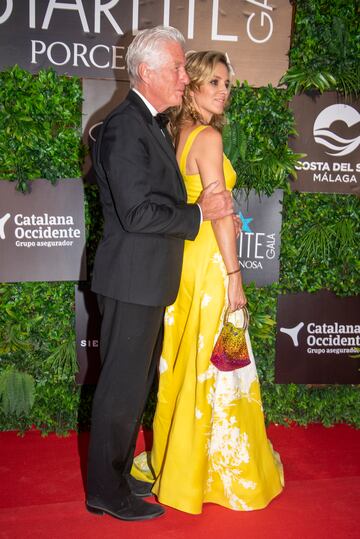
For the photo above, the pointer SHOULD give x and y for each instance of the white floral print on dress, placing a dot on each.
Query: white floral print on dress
(205, 301)
(163, 366)
(169, 317)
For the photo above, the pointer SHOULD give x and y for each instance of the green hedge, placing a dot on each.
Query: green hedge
(37, 327)
(256, 140)
(320, 243)
(40, 120)
(325, 48)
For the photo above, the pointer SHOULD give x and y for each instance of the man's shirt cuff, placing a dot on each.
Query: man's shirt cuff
(201, 215)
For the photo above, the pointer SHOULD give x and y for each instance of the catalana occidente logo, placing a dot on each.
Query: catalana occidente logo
(3, 222)
(42, 233)
(41, 230)
(323, 338)
(317, 339)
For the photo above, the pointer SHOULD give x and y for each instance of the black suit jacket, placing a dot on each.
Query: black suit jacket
(146, 218)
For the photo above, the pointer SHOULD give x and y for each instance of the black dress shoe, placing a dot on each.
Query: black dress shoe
(141, 489)
(128, 508)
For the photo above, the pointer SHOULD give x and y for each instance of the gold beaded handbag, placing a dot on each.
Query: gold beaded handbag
(231, 351)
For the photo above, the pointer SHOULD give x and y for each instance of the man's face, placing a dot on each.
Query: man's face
(167, 82)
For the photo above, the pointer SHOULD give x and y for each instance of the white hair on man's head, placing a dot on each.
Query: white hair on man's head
(147, 47)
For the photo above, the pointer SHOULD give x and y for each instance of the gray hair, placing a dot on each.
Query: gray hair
(146, 47)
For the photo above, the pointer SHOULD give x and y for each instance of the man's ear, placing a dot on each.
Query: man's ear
(144, 72)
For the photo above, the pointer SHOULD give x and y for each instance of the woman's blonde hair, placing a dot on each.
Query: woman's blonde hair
(199, 67)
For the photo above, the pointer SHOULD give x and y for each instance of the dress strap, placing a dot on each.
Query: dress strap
(187, 146)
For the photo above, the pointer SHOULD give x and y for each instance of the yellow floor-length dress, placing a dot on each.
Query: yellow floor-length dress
(210, 442)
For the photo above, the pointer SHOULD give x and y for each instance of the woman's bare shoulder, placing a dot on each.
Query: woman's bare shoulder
(209, 137)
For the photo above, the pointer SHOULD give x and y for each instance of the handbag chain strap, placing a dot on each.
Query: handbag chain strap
(246, 316)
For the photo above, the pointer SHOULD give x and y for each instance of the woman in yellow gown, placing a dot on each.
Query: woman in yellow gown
(210, 442)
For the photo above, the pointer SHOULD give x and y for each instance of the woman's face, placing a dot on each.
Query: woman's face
(213, 94)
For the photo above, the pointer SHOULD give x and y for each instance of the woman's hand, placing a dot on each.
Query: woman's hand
(236, 295)
(237, 224)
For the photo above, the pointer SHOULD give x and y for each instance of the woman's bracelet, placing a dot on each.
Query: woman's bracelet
(232, 272)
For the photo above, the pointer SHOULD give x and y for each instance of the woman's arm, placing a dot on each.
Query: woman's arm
(207, 155)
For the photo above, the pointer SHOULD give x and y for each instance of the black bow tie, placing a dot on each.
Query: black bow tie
(161, 119)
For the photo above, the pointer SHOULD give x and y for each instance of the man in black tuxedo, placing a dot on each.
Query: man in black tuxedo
(138, 262)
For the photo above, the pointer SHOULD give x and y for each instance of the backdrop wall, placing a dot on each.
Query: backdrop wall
(41, 133)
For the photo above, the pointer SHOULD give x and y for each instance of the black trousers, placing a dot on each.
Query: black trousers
(131, 340)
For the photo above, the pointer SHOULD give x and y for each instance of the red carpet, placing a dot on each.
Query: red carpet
(42, 494)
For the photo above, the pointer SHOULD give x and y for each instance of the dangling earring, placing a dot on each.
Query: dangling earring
(193, 112)
(195, 115)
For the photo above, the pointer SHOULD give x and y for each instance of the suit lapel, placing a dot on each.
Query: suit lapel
(157, 134)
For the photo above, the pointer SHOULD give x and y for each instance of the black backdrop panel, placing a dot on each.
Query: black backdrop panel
(318, 339)
(100, 98)
(42, 234)
(87, 335)
(259, 241)
(89, 38)
(329, 134)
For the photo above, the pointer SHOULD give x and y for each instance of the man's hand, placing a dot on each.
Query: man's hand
(215, 205)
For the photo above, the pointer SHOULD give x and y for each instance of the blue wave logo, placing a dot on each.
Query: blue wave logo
(323, 135)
